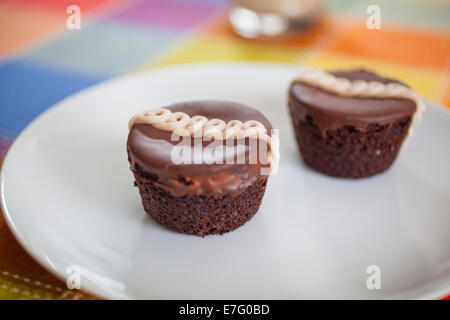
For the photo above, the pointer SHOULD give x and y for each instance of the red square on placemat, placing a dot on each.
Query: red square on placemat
(60, 6)
(405, 46)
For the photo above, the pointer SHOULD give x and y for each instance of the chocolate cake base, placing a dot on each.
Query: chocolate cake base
(350, 153)
(201, 214)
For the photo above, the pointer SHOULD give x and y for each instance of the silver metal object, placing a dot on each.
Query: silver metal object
(255, 18)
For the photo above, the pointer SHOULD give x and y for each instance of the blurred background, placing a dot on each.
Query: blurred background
(48, 52)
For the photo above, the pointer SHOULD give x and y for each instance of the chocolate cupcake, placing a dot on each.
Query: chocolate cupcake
(202, 167)
(351, 124)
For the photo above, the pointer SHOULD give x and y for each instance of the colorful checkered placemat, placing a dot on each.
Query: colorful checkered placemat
(42, 61)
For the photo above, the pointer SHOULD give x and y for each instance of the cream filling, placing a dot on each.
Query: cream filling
(360, 88)
(182, 124)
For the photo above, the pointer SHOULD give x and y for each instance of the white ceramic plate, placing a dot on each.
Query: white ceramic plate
(68, 196)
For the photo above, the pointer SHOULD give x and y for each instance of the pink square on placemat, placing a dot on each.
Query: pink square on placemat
(167, 13)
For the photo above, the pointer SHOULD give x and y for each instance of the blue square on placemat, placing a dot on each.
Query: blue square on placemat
(107, 48)
(27, 89)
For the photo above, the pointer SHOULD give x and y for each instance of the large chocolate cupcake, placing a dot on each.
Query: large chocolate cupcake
(351, 124)
(201, 192)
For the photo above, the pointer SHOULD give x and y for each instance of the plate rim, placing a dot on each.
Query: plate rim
(438, 293)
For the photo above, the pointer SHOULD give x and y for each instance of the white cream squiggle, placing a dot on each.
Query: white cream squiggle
(182, 124)
(359, 88)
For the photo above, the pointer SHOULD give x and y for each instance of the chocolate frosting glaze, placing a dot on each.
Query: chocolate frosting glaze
(149, 150)
(331, 111)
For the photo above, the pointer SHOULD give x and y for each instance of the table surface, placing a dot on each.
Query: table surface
(42, 61)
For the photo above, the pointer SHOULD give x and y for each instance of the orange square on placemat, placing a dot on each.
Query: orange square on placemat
(20, 27)
(405, 46)
(445, 100)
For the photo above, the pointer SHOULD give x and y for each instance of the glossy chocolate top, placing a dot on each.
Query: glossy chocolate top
(331, 111)
(150, 150)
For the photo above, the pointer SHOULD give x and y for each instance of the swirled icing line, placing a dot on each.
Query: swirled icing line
(359, 88)
(182, 124)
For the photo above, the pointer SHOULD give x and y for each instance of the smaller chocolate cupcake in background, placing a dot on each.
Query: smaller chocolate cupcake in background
(351, 124)
(202, 166)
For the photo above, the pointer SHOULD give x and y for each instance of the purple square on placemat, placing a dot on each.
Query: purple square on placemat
(168, 13)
